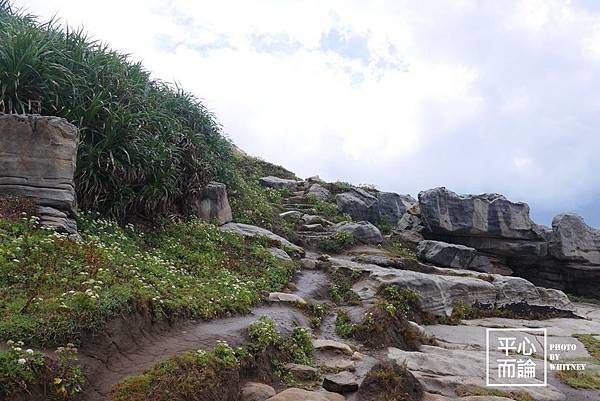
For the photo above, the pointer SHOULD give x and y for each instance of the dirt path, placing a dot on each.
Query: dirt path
(133, 354)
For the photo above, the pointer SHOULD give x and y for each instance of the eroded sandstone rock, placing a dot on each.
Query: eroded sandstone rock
(37, 160)
(362, 231)
(211, 204)
(278, 183)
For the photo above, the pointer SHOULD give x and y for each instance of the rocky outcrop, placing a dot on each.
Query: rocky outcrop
(566, 257)
(376, 208)
(319, 192)
(37, 160)
(441, 289)
(358, 204)
(459, 256)
(211, 204)
(444, 371)
(362, 231)
(393, 206)
(278, 183)
(574, 241)
(486, 215)
(248, 230)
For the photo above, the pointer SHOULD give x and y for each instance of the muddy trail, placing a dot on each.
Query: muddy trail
(132, 350)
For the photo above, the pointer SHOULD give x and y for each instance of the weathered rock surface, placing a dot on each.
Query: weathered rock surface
(443, 371)
(211, 204)
(487, 215)
(278, 183)
(459, 256)
(37, 160)
(302, 372)
(312, 219)
(330, 345)
(291, 215)
(362, 231)
(343, 382)
(248, 230)
(440, 289)
(319, 192)
(393, 206)
(280, 254)
(566, 257)
(256, 392)
(359, 204)
(296, 394)
(446, 255)
(376, 208)
(574, 241)
(285, 297)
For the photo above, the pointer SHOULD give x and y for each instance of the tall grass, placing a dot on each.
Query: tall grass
(145, 144)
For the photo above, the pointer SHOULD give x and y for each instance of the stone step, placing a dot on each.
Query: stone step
(294, 199)
(299, 205)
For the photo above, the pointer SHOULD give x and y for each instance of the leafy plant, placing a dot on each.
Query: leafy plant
(337, 243)
(145, 144)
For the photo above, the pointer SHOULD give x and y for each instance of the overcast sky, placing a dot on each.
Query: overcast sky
(477, 96)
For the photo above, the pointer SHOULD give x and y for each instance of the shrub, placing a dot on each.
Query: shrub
(337, 243)
(54, 289)
(145, 144)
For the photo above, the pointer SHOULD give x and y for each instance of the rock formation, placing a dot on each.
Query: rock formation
(211, 204)
(377, 208)
(37, 160)
(565, 257)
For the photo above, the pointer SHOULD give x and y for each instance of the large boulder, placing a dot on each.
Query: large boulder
(248, 230)
(486, 215)
(358, 204)
(458, 256)
(566, 257)
(211, 204)
(38, 156)
(319, 192)
(574, 241)
(279, 183)
(393, 206)
(441, 289)
(362, 231)
(446, 255)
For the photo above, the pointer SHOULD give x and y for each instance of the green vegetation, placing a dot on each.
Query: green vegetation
(217, 374)
(477, 391)
(145, 143)
(316, 312)
(343, 324)
(28, 371)
(253, 204)
(591, 343)
(402, 301)
(53, 290)
(196, 375)
(340, 287)
(397, 249)
(590, 377)
(337, 243)
(296, 348)
(582, 379)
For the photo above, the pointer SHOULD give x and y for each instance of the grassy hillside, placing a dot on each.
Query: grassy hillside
(145, 143)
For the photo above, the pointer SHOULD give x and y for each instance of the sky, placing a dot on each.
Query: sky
(476, 96)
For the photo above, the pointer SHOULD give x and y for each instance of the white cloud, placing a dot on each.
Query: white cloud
(477, 96)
